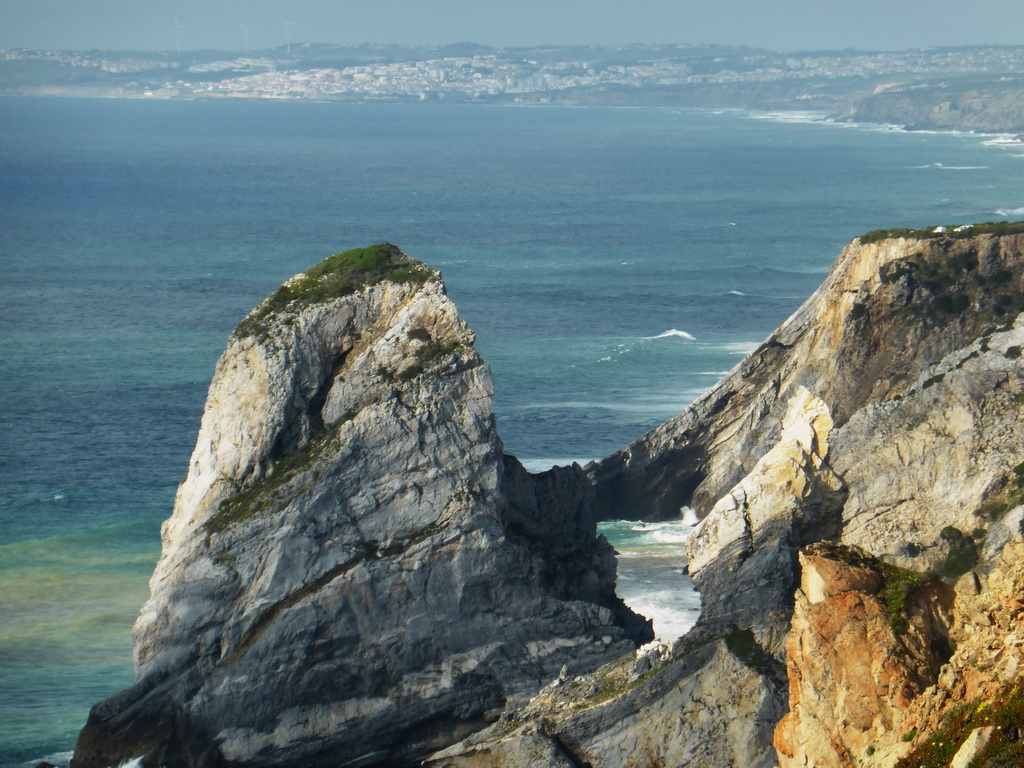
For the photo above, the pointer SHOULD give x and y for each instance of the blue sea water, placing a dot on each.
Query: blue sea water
(614, 263)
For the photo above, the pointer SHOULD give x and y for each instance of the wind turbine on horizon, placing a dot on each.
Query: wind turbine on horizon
(177, 32)
(245, 30)
(288, 34)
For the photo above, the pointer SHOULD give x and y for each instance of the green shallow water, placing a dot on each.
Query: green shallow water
(67, 605)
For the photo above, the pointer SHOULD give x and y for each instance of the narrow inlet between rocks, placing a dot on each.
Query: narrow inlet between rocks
(652, 576)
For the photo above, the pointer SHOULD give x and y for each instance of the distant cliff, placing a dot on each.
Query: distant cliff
(354, 574)
(981, 105)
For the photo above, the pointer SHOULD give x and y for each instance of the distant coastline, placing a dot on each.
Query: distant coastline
(972, 89)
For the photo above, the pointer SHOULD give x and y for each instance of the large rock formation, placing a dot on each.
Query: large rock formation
(866, 640)
(882, 415)
(354, 574)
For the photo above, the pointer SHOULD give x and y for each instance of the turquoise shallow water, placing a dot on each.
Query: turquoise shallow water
(134, 235)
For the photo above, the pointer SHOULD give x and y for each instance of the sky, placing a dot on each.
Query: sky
(782, 25)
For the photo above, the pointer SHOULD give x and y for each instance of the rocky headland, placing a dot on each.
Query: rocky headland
(355, 574)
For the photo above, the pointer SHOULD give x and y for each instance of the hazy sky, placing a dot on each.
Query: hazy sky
(776, 24)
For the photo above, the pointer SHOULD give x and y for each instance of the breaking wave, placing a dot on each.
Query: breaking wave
(741, 347)
(942, 167)
(673, 332)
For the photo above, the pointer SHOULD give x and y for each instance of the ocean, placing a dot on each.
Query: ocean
(613, 262)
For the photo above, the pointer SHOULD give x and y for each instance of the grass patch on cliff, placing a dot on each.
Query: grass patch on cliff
(962, 292)
(266, 495)
(1004, 713)
(336, 276)
(998, 228)
(897, 586)
(618, 681)
(963, 554)
(1011, 496)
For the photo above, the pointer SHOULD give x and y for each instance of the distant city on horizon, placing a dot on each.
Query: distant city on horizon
(976, 88)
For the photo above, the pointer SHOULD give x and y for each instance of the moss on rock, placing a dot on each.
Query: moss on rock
(336, 276)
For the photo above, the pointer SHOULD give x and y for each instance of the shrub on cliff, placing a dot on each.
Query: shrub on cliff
(336, 276)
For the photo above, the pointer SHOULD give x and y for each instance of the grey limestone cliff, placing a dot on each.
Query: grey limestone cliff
(354, 574)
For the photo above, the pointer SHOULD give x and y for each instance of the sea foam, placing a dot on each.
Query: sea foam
(673, 332)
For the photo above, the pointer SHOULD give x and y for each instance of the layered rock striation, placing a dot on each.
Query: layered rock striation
(890, 308)
(354, 574)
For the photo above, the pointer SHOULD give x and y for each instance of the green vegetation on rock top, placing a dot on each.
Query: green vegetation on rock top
(336, 276)
(929, 233)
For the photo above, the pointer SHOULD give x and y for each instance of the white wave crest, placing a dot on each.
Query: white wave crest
(656, 534)
(735, 293)
(673, 332)
(1010, 212)
(671, 537)
(1002, 140)
(689, 516)
(671, 620)
(801, 117)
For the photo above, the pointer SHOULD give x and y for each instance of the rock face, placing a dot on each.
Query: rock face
(888, 310)
(881, 415)
(738, 553)
(937, 454)
(354, 574)
(707, 707)
(993, 107)
(855, 663)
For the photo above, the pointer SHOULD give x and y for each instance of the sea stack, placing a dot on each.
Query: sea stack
(354, 574)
